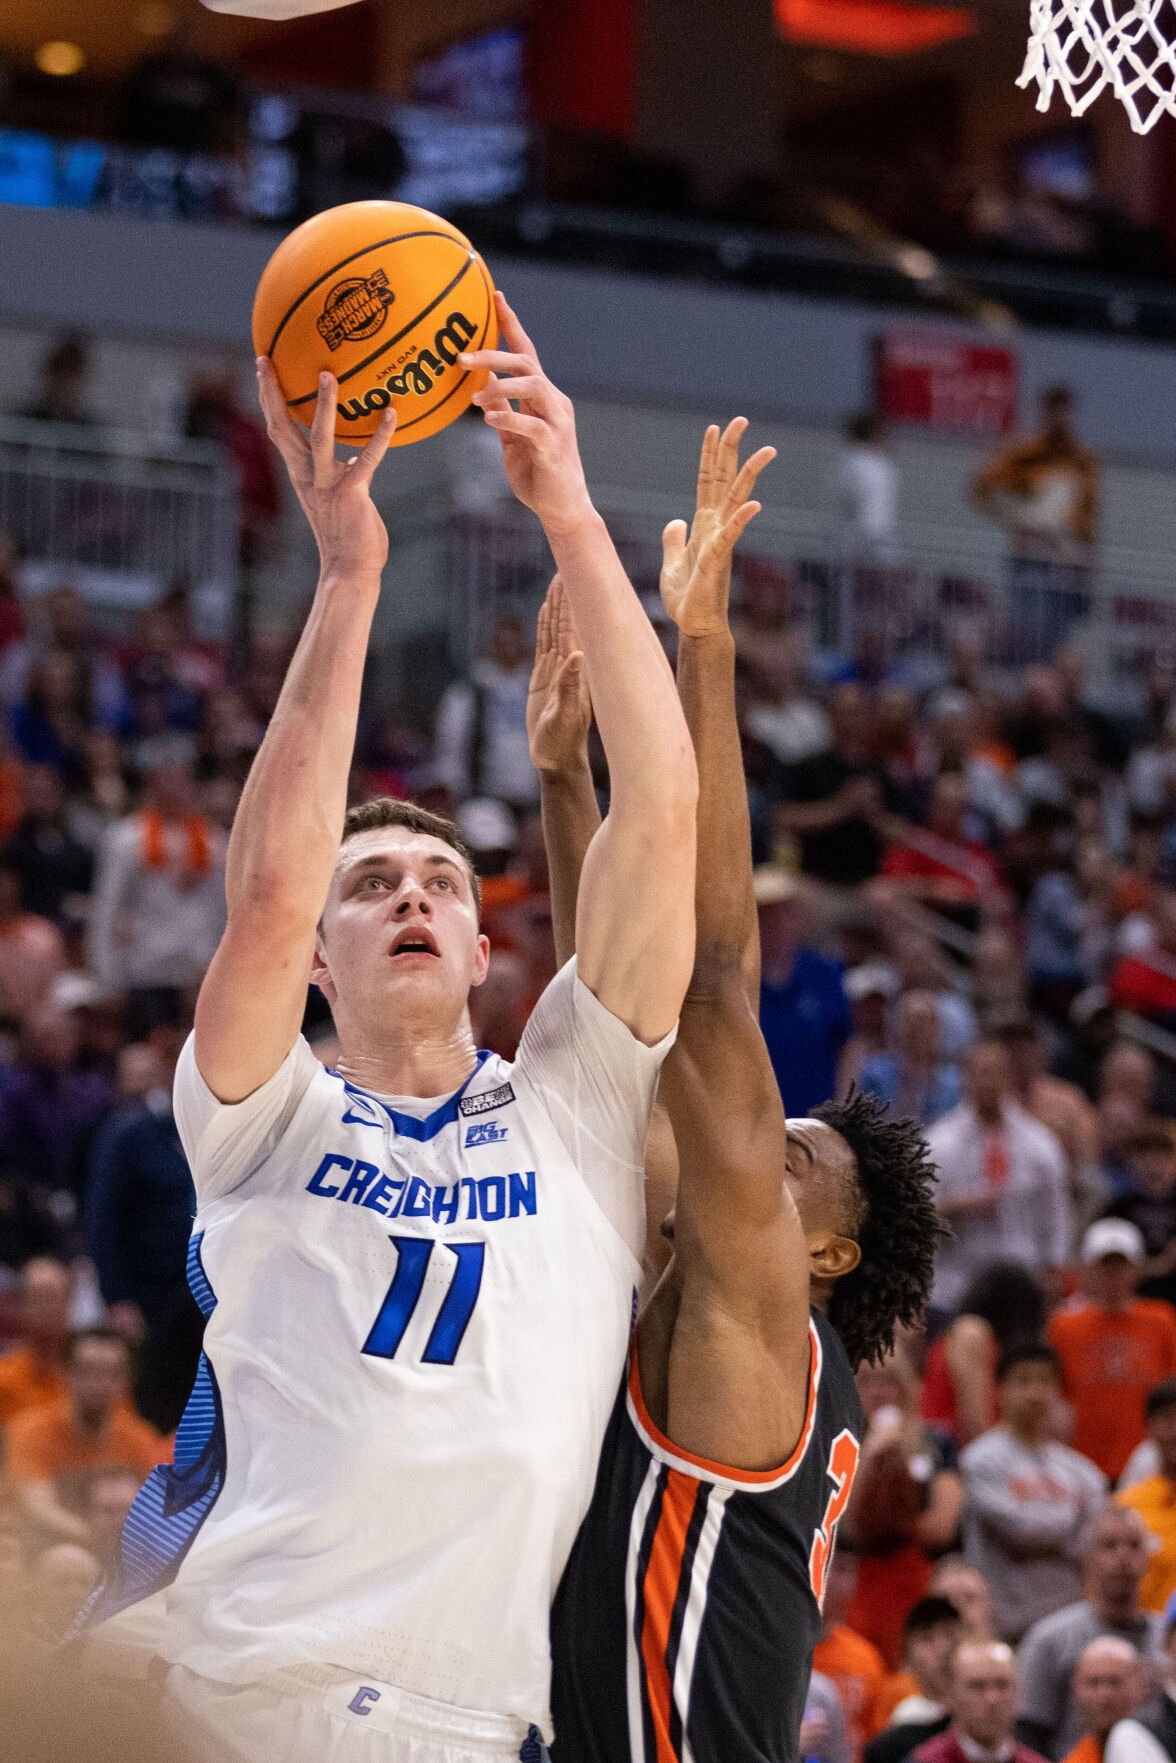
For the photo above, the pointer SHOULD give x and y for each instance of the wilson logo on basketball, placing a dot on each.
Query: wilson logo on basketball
(355, 309)
(419, 375)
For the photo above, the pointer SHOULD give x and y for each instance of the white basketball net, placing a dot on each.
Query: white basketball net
(1085, 46)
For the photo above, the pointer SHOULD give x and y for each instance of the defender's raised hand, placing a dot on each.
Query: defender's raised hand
(335, 493)
(539, 448)
(559, 709)
(696, 566)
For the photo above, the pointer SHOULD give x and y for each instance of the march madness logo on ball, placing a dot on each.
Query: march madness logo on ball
(355, 309)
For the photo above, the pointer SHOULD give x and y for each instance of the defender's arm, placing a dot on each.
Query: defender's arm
(635, 926)
(286, 831)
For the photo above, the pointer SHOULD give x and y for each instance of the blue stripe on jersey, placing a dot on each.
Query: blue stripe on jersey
(407, 1125)
(177, 1497)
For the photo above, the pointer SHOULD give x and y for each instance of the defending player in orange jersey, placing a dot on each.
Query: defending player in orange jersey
(686, 1619)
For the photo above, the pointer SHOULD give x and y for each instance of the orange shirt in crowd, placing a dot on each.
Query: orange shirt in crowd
(1087, 1750)
(1110, 1359)
(894, 1691)
(1155, 1501)
(44, 1445)
(27, 1382)
(857, 1670)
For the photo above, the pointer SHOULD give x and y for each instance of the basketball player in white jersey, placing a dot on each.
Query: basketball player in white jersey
(418, 1268)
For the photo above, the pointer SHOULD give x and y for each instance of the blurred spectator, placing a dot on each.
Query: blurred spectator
(943, 865)
(1029, 1502)
(1150, 1205)
(1143, 979)
(968, 1591)
(834, 799)
(49, 726)
(1048, 1717)
(1149, 1735)
(1002, 1306)
(50, 1109)
(822, 1731)
(1002, 1181)
(1113, 1346)
(804, 1012)
(159, 903)
(110, 1496)
(846, 1659)
(1067, 929)
(922, 966)
(871, 989)
(61, 390)
(1045, 492)
(866, 483)
(53, 1451)
(781, 711)
(1059, 1106)
(1109, 1685)
(482, 724)
(1155, 1500)
(140, 1204)
(34, 1373)
(55, 868)
(912, 1081)
(981, 1696)
(215, 414)
(1128, 1070)
(930, 1635)
(905, 1507)
(32, 949)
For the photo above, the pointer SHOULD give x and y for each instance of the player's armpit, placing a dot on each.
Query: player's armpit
(734, 1213)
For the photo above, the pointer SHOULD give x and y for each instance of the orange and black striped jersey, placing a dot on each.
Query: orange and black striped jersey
(685, 1622)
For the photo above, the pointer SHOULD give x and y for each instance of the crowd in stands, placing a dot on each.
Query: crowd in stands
(967, 898)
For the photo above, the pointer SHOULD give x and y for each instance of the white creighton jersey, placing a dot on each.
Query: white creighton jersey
(418, 1314)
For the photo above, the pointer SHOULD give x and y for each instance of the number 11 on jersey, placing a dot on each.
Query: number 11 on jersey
(413, 1255)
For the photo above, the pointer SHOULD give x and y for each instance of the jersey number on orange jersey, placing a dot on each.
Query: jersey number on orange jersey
(842, 1467)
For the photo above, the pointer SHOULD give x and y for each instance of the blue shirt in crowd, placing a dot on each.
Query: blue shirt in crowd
(806, 1024)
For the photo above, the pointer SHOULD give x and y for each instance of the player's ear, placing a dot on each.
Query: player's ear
(481, 960)
(832, 1256)
(320, 973)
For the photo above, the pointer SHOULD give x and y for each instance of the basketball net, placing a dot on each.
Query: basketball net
(1086, 46)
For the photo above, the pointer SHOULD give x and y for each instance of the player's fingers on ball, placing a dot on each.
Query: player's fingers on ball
(322, 429)
(515, 422)
(366, 462)
(512, 328)
(504, 361)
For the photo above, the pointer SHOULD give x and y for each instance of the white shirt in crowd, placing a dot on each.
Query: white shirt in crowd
(1021, 1170)
(867, 495)
(506, 770)
(154, 927)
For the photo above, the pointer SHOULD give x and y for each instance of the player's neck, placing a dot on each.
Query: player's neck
(411, 1062)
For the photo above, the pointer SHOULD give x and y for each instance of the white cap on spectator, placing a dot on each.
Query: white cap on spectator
(773, 885)
(1113, 1236)
(873, 979)
(486, 824)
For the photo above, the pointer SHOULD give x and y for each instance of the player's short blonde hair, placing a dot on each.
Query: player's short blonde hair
(368, 817)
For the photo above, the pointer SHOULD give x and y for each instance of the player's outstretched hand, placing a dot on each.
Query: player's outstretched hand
(539, 447)
(335, 493)
(696, 565)
(559, 710)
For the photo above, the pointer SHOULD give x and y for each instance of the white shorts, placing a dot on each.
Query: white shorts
(319, 1714)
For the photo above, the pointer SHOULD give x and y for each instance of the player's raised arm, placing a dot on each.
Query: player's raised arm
(286, 832)
(559, 716)
(737, 1237)
(635, 925)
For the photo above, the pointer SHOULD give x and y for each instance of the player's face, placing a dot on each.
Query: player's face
(400, 927)
(818, 1172)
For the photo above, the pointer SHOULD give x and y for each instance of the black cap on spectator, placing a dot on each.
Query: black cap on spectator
(1160, 1397)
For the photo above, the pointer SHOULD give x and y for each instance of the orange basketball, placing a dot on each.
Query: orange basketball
(385, 296)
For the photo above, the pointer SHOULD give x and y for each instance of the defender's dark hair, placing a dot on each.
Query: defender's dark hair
(897, 1227)
(366, 817)
(1027, 1353)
